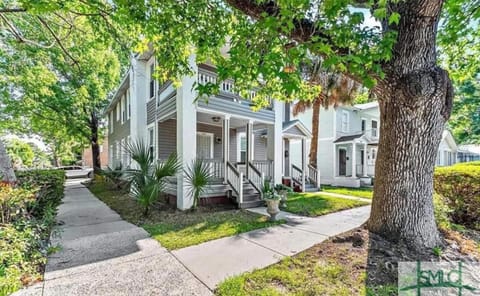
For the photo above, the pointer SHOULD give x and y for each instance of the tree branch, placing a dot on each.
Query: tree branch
(12, 10)
(59, 42)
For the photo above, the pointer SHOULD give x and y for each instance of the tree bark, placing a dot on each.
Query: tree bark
(97, 165)
(6, 170)
(415, 101)
(315, 126)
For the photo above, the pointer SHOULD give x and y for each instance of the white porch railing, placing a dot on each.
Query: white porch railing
(255, 177)
(216, 167)
(227, 86)
(313, 175)
(235, 180)
(297, 174)
(264, 166)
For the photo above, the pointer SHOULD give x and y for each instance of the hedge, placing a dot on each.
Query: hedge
(28, 211)
(459, 185)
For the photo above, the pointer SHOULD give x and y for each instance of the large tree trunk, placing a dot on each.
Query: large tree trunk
(315, 131)
(97, 165)
(6, 170)
(415, 102)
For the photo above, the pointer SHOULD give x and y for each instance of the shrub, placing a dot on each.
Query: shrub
(459, 185)
(28, 214)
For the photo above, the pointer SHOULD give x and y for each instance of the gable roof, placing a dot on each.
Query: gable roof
(296, 128)
(366, 106)
(448, 137)
(348, 138)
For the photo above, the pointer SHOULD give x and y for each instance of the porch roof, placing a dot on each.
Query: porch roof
(295, 128)
(352, 138)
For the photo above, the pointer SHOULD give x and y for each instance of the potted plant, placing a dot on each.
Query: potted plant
(283, 191)
(272, 199)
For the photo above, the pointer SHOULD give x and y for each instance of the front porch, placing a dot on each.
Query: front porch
(240, 154)
(354, 161)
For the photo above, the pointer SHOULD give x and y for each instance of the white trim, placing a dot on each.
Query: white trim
(212, 147)
(152, 126)
(129, 105)
(205, 110)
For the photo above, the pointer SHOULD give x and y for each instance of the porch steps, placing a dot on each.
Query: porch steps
(251, 197)
(310, 188)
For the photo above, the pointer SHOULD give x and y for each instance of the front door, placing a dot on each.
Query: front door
(204, 146)
(342, 158)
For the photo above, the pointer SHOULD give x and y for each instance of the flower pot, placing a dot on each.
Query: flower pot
(272, 208)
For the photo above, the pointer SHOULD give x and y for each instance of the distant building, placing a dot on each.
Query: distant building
(470, 152)
(87, 159)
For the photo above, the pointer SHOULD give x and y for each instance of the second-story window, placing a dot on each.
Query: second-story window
(129, 109)
(364, 125)
(152, 81)
(122, 108)
(117, 107)
(345, 122)
(374, 128)
(110, 119)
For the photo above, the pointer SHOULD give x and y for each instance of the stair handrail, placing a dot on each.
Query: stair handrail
(256, 178)
(235, 180)
(297, 174)
(314, 175)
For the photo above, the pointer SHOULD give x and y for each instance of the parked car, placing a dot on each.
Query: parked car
(74, 171)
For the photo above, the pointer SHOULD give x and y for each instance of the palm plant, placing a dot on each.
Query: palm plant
(198, 175)
(148, 179)
(337, 89)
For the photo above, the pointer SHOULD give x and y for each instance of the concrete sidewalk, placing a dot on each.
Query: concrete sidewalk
(214, 261)
(101, 254)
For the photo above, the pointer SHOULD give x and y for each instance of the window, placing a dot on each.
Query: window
(364, 125)
(374, 128)
(122, 107)
(118, 111)
(122, 151)
(151, 140)
(111, 121)
(152, 81)
(129, 109)
(345, 121)
(438, 158)
(243, 148)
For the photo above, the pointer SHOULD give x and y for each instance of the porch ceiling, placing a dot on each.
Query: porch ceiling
(209, 119)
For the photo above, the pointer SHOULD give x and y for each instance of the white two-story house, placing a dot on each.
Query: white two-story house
(348, 144)
(243, 147)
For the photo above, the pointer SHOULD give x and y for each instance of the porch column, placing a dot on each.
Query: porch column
(186, 133)
(249, 136)
(274, 142)
(304, 162)
(226, 145)
(365, 160)
(354, 161)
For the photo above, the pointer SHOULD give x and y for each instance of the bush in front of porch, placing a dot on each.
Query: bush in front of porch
(176, 229)
(317, 204)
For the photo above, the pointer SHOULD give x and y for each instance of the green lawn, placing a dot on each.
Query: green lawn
(176, 229)
(317, 204)
(365, 192)
(329, 268)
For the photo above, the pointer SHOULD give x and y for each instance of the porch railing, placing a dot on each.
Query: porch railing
(227, 86)
(297, 174)
(255, 177)
(313, 175)
(216, 167)
(235, 180)
(264, 166)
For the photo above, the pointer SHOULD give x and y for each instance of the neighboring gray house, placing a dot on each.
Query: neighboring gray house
(468, 152)
(242, 147)
(348, 144)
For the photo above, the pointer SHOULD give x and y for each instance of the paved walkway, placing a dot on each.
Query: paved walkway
(101, 254)
(214, 261)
